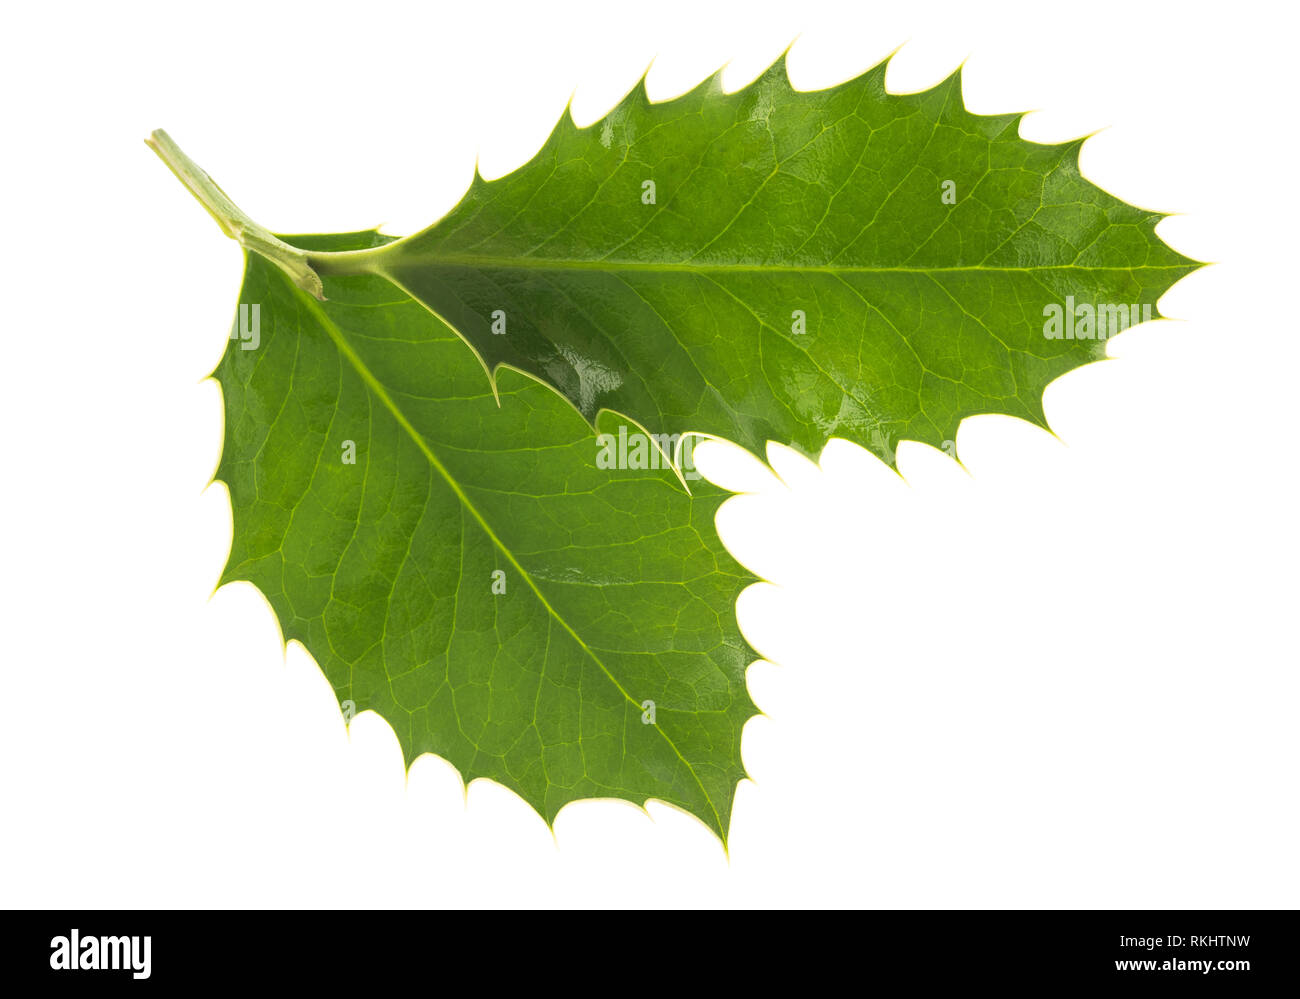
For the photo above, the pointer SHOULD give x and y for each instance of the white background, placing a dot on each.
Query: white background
(1063, 676)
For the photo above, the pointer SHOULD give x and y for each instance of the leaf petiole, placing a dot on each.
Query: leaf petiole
(232, 219)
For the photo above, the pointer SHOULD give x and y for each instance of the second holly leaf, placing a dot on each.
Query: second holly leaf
(466, 570)
(782, 265)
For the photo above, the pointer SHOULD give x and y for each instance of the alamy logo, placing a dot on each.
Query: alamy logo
(248, 328)
(1085, 321)
(78, 953)
(638, 450)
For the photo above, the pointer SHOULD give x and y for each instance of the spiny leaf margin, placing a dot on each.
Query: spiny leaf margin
(836, 394)
(463, 413)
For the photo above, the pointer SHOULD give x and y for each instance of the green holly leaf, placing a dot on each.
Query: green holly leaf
(764, 265)
(782, 265)
(465, 569)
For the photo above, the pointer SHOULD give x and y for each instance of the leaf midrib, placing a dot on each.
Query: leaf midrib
(471, 262)
(375, 386)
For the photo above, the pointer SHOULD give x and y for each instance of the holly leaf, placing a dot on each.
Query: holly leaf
(465, 569)
(763, 265)
(781, 265)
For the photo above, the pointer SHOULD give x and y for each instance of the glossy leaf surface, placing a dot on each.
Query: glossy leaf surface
(782, 265)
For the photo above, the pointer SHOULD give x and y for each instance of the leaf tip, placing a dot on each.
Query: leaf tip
(641, 91)
(783, 60)
(712, 86)
(883, 66)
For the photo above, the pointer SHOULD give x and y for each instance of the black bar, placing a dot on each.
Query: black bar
(1244, 952)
